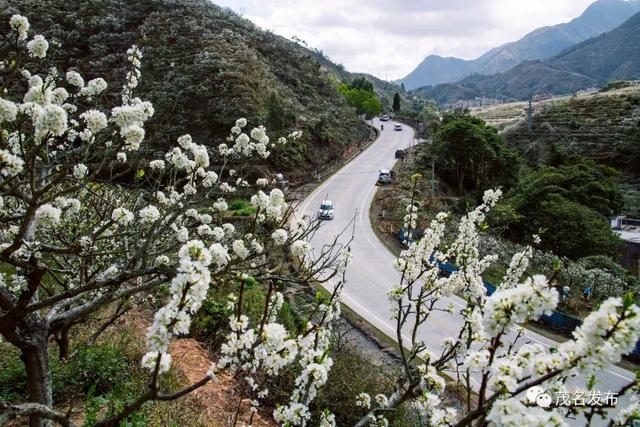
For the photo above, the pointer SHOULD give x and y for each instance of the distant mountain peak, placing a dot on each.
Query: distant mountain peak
(613, 55)
(542, 43)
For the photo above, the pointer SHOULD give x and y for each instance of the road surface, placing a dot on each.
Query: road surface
(371, 274)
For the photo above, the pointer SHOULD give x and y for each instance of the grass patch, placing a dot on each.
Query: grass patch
(241, 207)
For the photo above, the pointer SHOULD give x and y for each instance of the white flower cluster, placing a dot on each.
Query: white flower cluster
(21, 25)
(10, 164)
(130, 118)
(315, 363)
(604, 336)
(363, 400)
(513, 413)
(149, 214)
(122, 216)
(47, 216)
(94, 87)
(271, 207)
(300, 249)
(411, 218)
(327, 419)
(630, 413)
(80, 171)
(527, 301)
(245, 145)
(75, 79)
(38, 47)
(95, 120)
(188, 291)
(8, 110)
(134, 56)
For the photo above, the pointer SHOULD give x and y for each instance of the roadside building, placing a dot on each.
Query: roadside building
(629, 230)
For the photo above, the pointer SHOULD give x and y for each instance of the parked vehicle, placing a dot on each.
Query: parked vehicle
(397, 127)
(326, 210)
(384, 177)
(409, 236)
(400, 154)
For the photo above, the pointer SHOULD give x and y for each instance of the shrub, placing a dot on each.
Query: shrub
(353, 373)
(241, 207)
(211, 324)
(95, 370)
(99, 368)
(13, 378)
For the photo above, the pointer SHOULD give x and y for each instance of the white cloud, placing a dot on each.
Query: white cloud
(388, 38)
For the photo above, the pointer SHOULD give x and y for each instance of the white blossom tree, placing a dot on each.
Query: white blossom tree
(488, 350)
(88, 223)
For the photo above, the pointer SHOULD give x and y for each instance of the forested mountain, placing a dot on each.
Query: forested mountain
(203, 67)
(542, 43)
(612, 56)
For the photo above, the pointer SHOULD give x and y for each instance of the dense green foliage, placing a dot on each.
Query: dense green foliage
(567, 206)
(396, 102)
(203, 68)
(360, 95)
(362, 83)
(615, 84)
(94, 369)
(471, 156)
(211, 324)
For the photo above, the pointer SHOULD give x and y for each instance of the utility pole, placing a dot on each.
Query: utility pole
(433, 178)
(530, 118)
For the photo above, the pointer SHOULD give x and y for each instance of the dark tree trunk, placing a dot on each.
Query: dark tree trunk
(36, 363)
(62, 339)
(30, 334)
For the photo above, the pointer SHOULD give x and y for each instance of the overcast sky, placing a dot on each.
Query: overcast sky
(389, 38)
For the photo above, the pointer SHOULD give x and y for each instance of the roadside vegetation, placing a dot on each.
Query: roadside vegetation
(360, 95)
(565, 203)
(206, 67)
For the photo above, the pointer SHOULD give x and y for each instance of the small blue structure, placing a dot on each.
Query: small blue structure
(560, 321)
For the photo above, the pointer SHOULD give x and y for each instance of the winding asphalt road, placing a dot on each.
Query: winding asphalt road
(371, 274)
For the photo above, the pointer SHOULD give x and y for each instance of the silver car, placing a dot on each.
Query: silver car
(384, 177)
(326, 210)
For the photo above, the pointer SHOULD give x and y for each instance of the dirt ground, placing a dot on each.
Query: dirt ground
(218, 398)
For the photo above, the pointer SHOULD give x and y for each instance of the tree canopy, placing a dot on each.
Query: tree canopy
(567, 206)
(472, 156)
(362, 83)
(361, 96)
(396, 102)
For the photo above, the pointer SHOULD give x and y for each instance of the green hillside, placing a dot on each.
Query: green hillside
(604, 127)
(204, 67)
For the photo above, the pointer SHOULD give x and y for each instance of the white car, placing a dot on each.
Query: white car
(326, 210)
(384, 118)
(397, 127)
